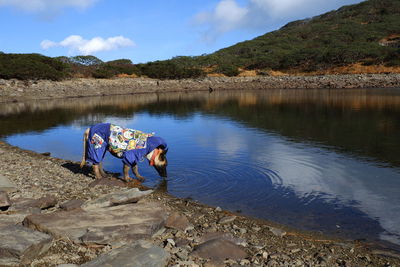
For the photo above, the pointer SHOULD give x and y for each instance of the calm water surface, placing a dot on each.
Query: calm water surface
(325, 160)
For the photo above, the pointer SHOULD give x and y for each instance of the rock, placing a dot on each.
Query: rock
(11, 219)
(137, 254)
(131, 195)
(107, 182)
(112, 225)
(6, 185)
(71, 204)
(178, 221)
(227, 219)
(4, 201)
(219, 235)
(67, 265)
(277, 232)
(27, 204)
(20, 245)
(219, 250)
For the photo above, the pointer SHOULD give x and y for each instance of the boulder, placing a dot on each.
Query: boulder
(141, 253)
(114, 226)
(20, 246)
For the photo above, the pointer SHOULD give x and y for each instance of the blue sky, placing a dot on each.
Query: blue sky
(144, 30)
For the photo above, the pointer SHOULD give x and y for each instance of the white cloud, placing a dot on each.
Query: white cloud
(77, 44)
(259, 14)
(46, 6)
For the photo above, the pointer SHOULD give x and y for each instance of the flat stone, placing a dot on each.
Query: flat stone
(141, 253)
(227, 219)
(108, 182)
(111, 225)
(6, 185)
(219, 250)
(40, 203)
(71, 204)
(4, 201)
(277, 232)
(126, 196)
(20, 245)
(11, 219)
(220, 235)
(178, 221)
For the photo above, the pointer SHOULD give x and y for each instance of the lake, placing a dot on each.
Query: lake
(322, 160)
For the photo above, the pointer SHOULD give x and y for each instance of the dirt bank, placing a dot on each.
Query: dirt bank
(14, 90)
(264, 243)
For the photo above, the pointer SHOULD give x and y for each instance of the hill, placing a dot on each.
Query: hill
(367, 33)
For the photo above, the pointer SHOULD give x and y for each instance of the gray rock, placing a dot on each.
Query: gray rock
(11, 219)
(277, 232)
(141, 253)
(108, 182)
(112, 225)
(227, 219)
(71, 204)
(4, 201)
(131, 195)
(20, 245)
(67, 265)
(219, 250)
(6, 185)
(220, 235)
(178, 221)
(28, 204)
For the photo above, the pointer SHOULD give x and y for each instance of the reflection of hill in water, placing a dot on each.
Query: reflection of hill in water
(363, 122)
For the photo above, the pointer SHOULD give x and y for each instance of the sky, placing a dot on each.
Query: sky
(144, 31)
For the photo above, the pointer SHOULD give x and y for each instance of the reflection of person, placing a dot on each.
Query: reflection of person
(129, 145)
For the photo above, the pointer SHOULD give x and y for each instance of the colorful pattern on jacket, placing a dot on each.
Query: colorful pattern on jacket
(123, 139)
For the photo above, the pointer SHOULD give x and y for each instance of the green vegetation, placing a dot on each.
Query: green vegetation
(366, 33)
(31, 67)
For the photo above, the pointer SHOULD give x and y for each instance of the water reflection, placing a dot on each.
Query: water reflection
(316, 159)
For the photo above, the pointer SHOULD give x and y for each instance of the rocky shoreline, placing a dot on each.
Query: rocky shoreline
(55, 214)
(14, 90)
(52, 213)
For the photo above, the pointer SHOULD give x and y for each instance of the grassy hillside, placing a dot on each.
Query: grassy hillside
(367, 33)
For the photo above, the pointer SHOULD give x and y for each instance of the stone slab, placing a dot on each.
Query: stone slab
(71, 204)
(6, 185)
(178, 221)
(21, 245)
(108, 182)
(28, 204)
(106, 226)
(126, 196)
(11, 219)
(219, 250)
(141, 253)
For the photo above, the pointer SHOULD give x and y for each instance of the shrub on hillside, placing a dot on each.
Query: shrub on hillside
(31, 67)
(228, 70)
(169, 70)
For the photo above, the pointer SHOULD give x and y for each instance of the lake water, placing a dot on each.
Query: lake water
(321, 160)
